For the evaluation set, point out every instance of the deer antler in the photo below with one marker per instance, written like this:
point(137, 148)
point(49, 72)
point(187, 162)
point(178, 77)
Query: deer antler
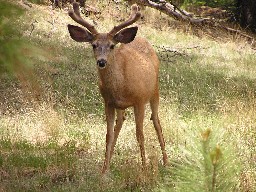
point(135, 15)
point(75, 15)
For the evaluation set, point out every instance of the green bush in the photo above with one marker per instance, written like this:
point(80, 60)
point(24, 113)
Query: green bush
point(207, 163)
point(11, 45)
point(16, 51)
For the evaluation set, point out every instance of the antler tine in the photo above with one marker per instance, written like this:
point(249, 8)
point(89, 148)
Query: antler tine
point(75, 15)
point(135, 15)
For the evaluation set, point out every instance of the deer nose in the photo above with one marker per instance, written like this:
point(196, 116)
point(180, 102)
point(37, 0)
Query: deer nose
point(102, 63)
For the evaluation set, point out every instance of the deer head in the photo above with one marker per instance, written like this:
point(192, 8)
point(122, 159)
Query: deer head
point(102, 43)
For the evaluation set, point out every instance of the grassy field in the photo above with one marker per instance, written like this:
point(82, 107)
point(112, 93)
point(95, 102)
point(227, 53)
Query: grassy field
point(52, 137)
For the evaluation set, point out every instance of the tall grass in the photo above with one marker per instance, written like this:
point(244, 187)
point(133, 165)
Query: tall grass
point(207, 111)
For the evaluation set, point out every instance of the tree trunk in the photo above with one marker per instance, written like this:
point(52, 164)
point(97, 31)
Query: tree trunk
point(247, 13)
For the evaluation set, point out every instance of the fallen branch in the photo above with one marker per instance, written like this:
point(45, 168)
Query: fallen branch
point(237, 32)
point(168, 54)
point(32, 26)
point(25, 4)
point(175, 12)
point(53, 26)
point(173, 51)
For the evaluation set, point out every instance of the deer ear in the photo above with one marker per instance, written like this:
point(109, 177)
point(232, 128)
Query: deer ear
point(79, 34)
point(127, 35)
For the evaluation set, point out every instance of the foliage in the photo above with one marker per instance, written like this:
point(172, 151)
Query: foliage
point(208, 163)
point(12, 48)
point(246, 14)
point(17, 52)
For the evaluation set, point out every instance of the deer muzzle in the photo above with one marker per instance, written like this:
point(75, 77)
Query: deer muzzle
point(102, 63)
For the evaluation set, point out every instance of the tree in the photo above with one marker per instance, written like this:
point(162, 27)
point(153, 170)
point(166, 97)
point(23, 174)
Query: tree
point(16, 52)
point(246, 13)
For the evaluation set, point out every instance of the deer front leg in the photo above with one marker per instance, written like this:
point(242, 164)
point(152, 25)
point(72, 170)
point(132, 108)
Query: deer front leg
point(119, 122)
point(139, 112)
point(110, 116)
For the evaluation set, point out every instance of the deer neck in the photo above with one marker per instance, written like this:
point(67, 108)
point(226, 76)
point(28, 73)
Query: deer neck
point(112, 75)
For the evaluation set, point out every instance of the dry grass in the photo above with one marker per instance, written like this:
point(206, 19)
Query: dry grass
point(58, 142)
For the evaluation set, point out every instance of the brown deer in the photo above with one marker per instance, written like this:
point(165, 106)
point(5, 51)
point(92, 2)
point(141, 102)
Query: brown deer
point(128, 76)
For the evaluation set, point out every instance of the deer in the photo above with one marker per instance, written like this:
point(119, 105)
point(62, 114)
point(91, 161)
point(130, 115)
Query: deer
point(128, 77)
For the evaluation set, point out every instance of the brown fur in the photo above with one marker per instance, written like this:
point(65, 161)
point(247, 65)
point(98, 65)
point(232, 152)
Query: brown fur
point(130, 78)
point(119, 83)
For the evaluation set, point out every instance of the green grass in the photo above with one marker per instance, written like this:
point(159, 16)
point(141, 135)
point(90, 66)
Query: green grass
point(57, 141)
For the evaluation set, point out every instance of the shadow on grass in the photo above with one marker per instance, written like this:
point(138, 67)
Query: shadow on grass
point(50, 166)
point(75, 86)
point(194, 86)
point(68, 82)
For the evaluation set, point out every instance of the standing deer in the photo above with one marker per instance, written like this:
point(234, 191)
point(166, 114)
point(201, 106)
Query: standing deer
point(128, 76)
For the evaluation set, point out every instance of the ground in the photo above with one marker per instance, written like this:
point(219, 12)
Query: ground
point(53, 136)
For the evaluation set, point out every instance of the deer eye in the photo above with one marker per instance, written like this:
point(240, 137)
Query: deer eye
point(112, 46)
point(94, 46)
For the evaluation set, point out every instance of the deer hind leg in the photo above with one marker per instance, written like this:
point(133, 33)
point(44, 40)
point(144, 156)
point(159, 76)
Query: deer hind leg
point(119, 122)
point(110, 116)
point(154, 103)
point(139, 112)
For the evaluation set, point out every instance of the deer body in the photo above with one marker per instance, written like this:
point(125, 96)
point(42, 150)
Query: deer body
point(125, 80)
point(128, 76)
